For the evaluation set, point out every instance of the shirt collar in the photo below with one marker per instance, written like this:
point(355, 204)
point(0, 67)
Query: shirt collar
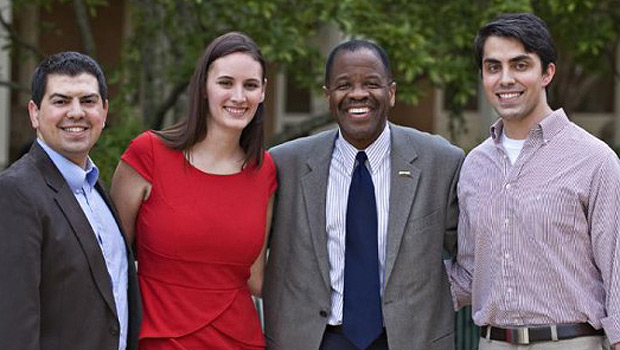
point(75, 176)
point(376, 151)
point(550, 126)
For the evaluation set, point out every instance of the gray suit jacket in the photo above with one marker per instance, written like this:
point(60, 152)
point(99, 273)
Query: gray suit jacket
point(55, 290)
point(417, 305)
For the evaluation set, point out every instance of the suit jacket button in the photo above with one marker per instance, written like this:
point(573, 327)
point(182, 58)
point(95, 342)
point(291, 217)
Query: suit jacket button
point(323, 313)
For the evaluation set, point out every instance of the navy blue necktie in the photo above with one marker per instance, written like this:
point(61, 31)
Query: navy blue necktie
point(362, 318)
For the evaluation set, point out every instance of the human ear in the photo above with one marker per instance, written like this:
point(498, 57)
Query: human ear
point(33, 112)
point(548, 74)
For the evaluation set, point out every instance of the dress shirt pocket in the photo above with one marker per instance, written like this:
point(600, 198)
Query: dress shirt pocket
point(551, 215)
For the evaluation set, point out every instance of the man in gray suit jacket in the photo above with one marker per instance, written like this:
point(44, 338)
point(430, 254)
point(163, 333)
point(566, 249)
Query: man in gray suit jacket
point(308, 294)
point(67, 276)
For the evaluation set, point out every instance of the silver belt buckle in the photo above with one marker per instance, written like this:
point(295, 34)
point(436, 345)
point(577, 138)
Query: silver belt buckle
point(523, 336)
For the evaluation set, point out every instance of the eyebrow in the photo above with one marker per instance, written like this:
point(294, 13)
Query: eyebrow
point(231, 78)
point(512, 60)
point(346, 78)
point(69, 97)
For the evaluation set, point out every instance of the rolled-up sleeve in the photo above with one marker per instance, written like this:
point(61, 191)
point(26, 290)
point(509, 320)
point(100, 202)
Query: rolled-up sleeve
point(460, 268)
point(604, 222)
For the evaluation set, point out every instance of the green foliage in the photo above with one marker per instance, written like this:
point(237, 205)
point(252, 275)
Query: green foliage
point(112, 143)
point(426, 40)
point(583, 29)
point(170, 36)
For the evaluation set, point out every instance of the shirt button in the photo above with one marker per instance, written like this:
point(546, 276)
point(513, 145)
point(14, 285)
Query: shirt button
point(507, 256)
point(509, 290)
point(506, 221)
point(508, 186)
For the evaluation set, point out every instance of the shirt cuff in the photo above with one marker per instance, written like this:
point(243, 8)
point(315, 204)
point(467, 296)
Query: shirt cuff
point(460, 297)
point(611, 325)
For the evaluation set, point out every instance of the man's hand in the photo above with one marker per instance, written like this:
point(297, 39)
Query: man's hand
point(616, 346)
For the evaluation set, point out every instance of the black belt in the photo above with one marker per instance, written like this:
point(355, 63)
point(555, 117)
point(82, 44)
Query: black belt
point(528, 335)
point(334, 329)
point(338, 329)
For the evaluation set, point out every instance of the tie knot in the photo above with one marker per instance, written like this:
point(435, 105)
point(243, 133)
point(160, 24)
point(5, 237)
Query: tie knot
point(361, 157)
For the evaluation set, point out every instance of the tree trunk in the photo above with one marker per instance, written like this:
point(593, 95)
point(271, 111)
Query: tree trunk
point(84, 28)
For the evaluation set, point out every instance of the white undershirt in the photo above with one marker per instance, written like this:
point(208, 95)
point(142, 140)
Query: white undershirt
point(513, 147)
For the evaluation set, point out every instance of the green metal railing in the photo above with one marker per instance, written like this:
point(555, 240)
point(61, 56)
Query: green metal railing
point(467, 333)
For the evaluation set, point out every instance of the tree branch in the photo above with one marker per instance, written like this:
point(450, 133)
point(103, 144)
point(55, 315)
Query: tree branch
point(15, 38)
point(86, 32)
point(14, 86)
point(301, 129)
point(172, 98)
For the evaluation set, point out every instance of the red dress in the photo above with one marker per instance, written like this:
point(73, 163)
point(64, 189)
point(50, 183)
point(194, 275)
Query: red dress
point(197, 236)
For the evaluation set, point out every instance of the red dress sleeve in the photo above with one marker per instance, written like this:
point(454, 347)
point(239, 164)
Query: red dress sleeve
point(139, 155)
point(270, 168)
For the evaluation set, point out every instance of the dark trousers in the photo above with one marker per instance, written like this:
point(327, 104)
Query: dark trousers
point(334, 339)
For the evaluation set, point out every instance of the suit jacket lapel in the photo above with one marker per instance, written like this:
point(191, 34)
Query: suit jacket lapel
point(78, 221)
point(403, 185)
point(314, 188)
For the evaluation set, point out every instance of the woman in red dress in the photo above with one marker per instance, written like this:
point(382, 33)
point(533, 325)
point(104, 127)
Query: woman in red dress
point(197, 199)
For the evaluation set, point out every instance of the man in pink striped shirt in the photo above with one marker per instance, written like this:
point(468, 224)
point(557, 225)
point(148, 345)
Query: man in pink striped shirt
point(539, 241)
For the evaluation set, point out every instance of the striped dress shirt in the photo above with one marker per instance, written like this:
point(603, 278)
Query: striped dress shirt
point(340, 172)
point(539, 241)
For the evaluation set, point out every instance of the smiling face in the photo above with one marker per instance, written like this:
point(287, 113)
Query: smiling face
point(71, 116)
point(514, 81)
point(360, 95)
point(235, 88)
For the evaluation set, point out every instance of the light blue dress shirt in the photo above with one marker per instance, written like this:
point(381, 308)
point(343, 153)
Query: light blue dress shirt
point(82, 184)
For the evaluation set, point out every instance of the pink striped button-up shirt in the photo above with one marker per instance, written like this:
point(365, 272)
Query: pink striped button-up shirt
point(539, 241)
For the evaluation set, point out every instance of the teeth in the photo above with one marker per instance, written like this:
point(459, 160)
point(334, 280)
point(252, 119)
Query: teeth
point(75, 129)
point(238, 111)
point(359, 110)
point(508, 95)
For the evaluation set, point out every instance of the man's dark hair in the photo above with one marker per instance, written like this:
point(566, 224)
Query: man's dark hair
point(66, 63)
point(527, 28)
point(355, 45)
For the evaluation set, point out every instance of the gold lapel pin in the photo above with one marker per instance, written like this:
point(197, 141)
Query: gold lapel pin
point(404, 173)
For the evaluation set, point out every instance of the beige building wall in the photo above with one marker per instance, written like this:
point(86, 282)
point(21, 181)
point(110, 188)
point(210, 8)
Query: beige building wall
point(5, 93)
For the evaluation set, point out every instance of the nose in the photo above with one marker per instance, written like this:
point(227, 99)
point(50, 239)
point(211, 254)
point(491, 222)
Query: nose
point(358, 91)
point(238, 94)
point(75, 110)
point(506, 77)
